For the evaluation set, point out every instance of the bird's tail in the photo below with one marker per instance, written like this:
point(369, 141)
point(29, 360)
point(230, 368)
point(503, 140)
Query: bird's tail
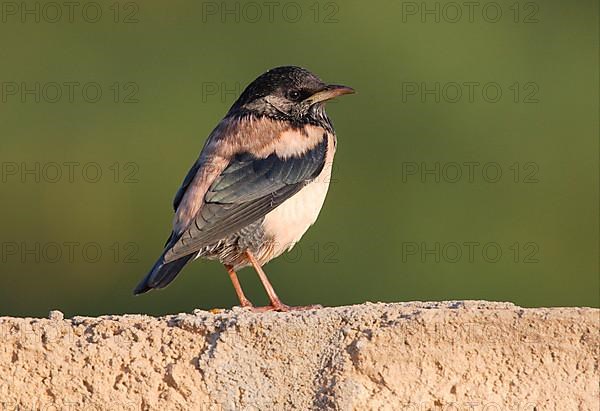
point(161, 274)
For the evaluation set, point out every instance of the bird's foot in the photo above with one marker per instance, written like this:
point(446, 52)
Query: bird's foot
point(246, 304)
point(281, 307)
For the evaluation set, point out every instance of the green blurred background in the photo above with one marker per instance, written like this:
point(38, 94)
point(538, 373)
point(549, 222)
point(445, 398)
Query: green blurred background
point(388, 232)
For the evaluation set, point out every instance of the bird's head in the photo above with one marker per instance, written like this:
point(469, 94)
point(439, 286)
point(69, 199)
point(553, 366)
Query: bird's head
point(290, 93)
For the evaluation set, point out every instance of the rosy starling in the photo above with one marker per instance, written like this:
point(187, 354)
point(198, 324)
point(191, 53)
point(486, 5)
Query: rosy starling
point(259, 182)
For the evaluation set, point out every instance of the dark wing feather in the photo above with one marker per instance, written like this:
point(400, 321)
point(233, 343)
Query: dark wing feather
point(186, 183)
point(247, 190)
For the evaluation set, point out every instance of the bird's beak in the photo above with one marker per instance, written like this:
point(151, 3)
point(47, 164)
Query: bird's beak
point(330, 91)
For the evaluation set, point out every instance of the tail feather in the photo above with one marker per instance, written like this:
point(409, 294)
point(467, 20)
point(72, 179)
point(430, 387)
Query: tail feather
point(161, 274)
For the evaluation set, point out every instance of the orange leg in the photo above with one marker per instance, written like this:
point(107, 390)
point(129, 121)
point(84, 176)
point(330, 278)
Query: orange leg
point(244, 302)
point(276, 304)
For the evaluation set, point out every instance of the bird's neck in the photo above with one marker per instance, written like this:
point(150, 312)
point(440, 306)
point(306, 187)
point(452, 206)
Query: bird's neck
point(316, 116)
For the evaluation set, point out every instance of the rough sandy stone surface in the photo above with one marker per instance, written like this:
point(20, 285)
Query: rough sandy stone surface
point(470, 355)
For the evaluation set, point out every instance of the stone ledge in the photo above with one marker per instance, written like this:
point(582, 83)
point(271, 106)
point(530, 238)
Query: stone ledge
point(471, 355)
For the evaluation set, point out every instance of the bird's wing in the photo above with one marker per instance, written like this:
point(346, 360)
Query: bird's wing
point(189, 178)
point(240, 192)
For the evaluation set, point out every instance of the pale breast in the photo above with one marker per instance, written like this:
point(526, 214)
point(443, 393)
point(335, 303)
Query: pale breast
point(288, 222)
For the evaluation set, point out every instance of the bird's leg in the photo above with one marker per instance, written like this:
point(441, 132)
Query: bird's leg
point(244, 302)
point(276, 304)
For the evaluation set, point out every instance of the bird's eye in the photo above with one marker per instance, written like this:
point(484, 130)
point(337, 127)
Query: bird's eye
point(294, 94)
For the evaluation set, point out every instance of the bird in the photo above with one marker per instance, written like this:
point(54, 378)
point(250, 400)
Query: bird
point(258, 184)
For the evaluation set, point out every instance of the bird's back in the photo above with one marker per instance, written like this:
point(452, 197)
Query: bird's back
point(278, 231)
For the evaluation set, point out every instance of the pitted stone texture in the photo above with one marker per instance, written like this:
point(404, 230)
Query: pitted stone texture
point(471, 355)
